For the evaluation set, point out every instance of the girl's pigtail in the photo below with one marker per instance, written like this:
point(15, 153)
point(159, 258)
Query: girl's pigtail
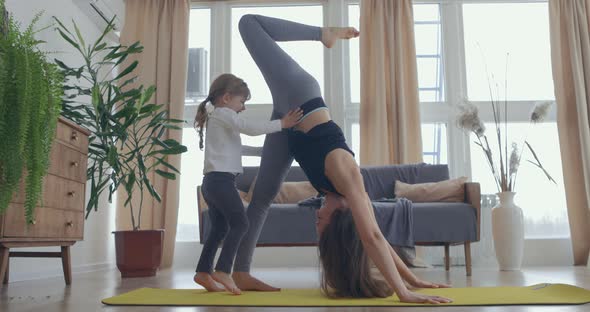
point(200, 120)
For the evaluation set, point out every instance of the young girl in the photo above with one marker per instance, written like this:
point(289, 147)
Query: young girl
point(223, 162)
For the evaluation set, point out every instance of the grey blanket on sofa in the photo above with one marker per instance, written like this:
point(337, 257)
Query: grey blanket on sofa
point(396, 223)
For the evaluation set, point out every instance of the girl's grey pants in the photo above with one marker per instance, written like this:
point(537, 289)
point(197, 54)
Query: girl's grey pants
point(228, 221)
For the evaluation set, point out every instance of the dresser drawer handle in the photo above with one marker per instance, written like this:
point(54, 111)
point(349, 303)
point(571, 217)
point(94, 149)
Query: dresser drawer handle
point(74, 164)
point(74, 136)
point(70, 224)
point(71, 194)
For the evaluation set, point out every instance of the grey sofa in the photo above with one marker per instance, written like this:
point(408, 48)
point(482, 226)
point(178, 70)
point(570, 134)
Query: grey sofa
point(435, 224)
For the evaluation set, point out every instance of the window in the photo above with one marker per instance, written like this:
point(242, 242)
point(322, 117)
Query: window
point(427, 28)
point(434, 142)
point(493, 30)
point(191, 175)
point(307, 54)
point(473, 31)
point(428, 52)
point(543, 203)
point(356, 141)
point(199, 44)
point(254, 141)
point(427, 33)
point(490, 31)
point(197, 88)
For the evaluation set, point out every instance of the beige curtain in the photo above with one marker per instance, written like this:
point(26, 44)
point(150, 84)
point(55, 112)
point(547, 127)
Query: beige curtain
point(162, 28)
point(570, 53)
point(390, 131)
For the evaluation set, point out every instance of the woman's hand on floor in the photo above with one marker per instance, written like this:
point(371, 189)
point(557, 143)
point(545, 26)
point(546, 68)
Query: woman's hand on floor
point(413, 297)
point(418, 283)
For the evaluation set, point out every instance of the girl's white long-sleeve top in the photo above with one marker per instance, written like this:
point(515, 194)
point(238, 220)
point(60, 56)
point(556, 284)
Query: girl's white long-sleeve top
point(223, 145)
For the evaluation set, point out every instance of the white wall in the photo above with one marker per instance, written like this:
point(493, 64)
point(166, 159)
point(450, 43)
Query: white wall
point(97, 249)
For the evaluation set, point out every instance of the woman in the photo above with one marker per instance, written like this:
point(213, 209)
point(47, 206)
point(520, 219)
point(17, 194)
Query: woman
point(319, 147)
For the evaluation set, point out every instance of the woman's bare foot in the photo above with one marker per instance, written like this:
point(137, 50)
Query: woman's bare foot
point(331, 34)
point(246, 281)
point(227, 282)
point(205, 280)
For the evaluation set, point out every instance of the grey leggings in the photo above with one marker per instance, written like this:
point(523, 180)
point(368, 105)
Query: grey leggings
point(228, 221)
point(290, 86)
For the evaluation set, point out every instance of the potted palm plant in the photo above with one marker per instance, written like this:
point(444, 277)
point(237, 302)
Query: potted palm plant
point(126, 142)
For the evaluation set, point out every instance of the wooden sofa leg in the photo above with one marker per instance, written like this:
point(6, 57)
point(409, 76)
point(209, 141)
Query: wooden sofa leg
point(4, 258)
point(447, 258)
point(468, 258)
point(7, 273)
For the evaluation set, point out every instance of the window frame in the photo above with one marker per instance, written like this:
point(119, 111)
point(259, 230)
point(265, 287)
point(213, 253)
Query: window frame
point(221, 44)
point(337, 72)
point(455, 87)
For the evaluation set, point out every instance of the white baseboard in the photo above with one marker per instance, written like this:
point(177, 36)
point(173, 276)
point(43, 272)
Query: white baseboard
point(28, 276)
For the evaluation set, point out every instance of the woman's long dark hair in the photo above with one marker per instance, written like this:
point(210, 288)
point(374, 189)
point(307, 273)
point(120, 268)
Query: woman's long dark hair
point(225, 83)
point(346, 269)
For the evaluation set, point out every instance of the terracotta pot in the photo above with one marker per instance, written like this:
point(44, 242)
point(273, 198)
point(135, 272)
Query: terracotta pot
point(139, 253)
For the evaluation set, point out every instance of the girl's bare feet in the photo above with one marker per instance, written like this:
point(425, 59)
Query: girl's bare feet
point(227, 282)
point(331, 34)
point(205, 280)
point(248, 282)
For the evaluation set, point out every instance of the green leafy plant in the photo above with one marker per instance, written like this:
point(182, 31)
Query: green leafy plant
point(127, 132)
point(31, 91)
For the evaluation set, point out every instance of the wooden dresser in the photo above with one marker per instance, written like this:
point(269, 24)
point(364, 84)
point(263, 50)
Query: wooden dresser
point(59, 218)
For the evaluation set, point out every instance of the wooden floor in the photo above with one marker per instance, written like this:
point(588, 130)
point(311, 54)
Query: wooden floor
point(88, 289)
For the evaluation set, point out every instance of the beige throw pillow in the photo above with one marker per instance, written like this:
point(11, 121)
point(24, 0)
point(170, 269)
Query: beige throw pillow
point(243, 196)
point(294, 192)
point(290, 192)
point(444, 191)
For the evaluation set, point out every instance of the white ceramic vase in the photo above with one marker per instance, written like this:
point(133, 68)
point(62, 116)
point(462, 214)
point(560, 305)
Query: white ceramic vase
point(508, 232)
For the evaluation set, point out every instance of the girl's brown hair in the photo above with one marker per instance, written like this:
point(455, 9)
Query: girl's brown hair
point(345, 267)
point(225, 83)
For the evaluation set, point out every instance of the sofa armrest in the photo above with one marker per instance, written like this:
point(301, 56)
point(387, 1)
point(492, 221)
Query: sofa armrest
point(201, 208)
point(473, 197)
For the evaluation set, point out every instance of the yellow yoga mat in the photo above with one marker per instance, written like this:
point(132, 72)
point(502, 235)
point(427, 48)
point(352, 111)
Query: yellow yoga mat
point(544, 294)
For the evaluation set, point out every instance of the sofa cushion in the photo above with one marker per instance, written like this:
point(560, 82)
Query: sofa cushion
point(444, 222)
point(380, 180)
point(452, 190)
point(289, 193)
point(245, 180)
point(284, 224)
point(293, 192)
